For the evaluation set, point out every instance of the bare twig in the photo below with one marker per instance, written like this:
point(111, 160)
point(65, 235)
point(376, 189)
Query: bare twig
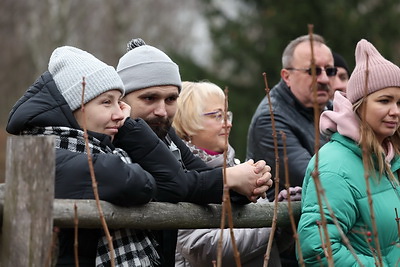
point(228, 199)
point(290, 210)
point(222, 227)
point(276, 180)
point(320, 231)
point(93, 177)
point(76, 222)
point(315, 173)
point(366, 171)
point(398, 222)
point(343, 236)
point(227, 207)
point(52, 255)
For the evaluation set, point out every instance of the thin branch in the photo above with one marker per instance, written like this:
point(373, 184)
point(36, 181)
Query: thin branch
point(320, 231)
point(93, 177)
point(52, 255)
point(315, 173)
point(76, 222)
point(227, 207)
point(398, 222)
point(366, 171)
point(228, 199)
point(342, 235)
point(276, 180)
point(222, 227)
point(290, 210)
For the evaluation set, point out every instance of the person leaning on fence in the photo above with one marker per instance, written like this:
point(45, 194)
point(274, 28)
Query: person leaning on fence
point(364, 127)
point(199, 121)
point(152, 82)
point(51, 106)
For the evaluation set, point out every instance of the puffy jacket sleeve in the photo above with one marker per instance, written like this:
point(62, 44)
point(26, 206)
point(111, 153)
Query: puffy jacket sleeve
point(260, 139)
point(200, 246)
point(118, 183)
point(145, 148)
point(341, 199)
point(205, 183)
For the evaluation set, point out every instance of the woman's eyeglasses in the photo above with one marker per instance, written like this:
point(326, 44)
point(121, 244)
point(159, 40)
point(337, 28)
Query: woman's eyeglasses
point(219, 115)
point(330, 71)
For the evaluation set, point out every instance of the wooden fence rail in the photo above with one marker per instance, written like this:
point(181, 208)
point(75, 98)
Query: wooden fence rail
point(158, 215)
point(28, 210)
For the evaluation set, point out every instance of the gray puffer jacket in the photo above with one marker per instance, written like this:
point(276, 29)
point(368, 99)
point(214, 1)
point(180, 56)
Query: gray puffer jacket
point(199, 247)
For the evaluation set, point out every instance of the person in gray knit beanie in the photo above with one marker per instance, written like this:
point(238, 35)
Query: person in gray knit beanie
point(69, 65)
point(152, 83)
point(145, 66)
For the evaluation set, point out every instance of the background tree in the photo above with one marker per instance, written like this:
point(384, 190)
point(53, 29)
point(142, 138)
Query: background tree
point(228, 42)
point(251, 41)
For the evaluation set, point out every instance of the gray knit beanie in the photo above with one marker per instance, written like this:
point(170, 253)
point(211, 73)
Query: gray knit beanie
point(68, 65)
point(145, 66)
point(381, 72)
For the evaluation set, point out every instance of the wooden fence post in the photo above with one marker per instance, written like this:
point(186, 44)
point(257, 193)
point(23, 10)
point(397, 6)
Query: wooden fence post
point(28, 201)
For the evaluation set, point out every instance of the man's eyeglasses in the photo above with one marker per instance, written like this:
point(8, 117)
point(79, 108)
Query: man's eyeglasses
point(219, 115)
point(330, 71)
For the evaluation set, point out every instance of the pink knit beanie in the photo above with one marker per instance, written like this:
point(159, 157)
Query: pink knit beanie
point(382, 73)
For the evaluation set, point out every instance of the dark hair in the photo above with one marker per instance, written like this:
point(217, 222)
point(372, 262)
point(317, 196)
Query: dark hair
point(340, 62)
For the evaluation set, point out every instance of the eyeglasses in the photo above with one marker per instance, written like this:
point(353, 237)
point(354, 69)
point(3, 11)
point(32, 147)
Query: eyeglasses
point(330, 71)
point(219, 115)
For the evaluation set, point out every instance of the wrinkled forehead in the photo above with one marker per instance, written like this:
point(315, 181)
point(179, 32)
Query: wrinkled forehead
point(322, 54)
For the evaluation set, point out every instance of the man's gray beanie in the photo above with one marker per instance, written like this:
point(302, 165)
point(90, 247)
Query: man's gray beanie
point(68, 65)
point(145, 66)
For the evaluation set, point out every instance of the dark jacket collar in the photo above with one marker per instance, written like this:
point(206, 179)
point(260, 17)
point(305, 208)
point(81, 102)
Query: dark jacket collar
point(291, 99)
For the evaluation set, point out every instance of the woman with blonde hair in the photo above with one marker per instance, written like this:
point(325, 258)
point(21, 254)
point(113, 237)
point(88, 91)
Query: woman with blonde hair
point(365, 142)
point(200, 122)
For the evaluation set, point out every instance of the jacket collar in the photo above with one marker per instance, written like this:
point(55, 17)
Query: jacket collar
point(355, 148)
point(293, 101)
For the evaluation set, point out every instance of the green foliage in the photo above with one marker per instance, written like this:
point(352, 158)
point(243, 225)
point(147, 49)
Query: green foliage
point(252, 42)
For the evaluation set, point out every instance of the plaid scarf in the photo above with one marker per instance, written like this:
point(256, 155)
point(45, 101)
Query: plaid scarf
point(132, 248)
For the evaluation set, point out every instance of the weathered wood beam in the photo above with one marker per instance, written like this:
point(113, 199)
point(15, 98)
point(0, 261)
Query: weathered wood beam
point(28, 201)
point(158, 215)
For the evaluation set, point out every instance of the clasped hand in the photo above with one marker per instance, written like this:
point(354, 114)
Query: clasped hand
point(250, 179)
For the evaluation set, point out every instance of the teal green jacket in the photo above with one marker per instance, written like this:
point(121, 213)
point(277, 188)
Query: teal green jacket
point(341, 173)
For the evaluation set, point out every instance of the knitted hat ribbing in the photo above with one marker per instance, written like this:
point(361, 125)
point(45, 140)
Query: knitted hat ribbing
point(340, 62)
point(145, 66)
point(381, 72)
point(68, 65)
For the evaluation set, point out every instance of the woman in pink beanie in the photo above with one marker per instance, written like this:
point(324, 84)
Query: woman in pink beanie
point(373, 88)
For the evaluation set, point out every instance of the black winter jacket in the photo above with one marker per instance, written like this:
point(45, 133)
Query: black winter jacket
point(296, 121)
point(157, 174)
point(205, 186)
point(118, 183)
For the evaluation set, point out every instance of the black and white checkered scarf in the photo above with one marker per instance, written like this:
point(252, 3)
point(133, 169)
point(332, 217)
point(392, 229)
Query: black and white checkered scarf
point(132, 248)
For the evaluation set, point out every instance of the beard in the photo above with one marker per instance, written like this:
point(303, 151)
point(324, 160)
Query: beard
point(160, 126)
